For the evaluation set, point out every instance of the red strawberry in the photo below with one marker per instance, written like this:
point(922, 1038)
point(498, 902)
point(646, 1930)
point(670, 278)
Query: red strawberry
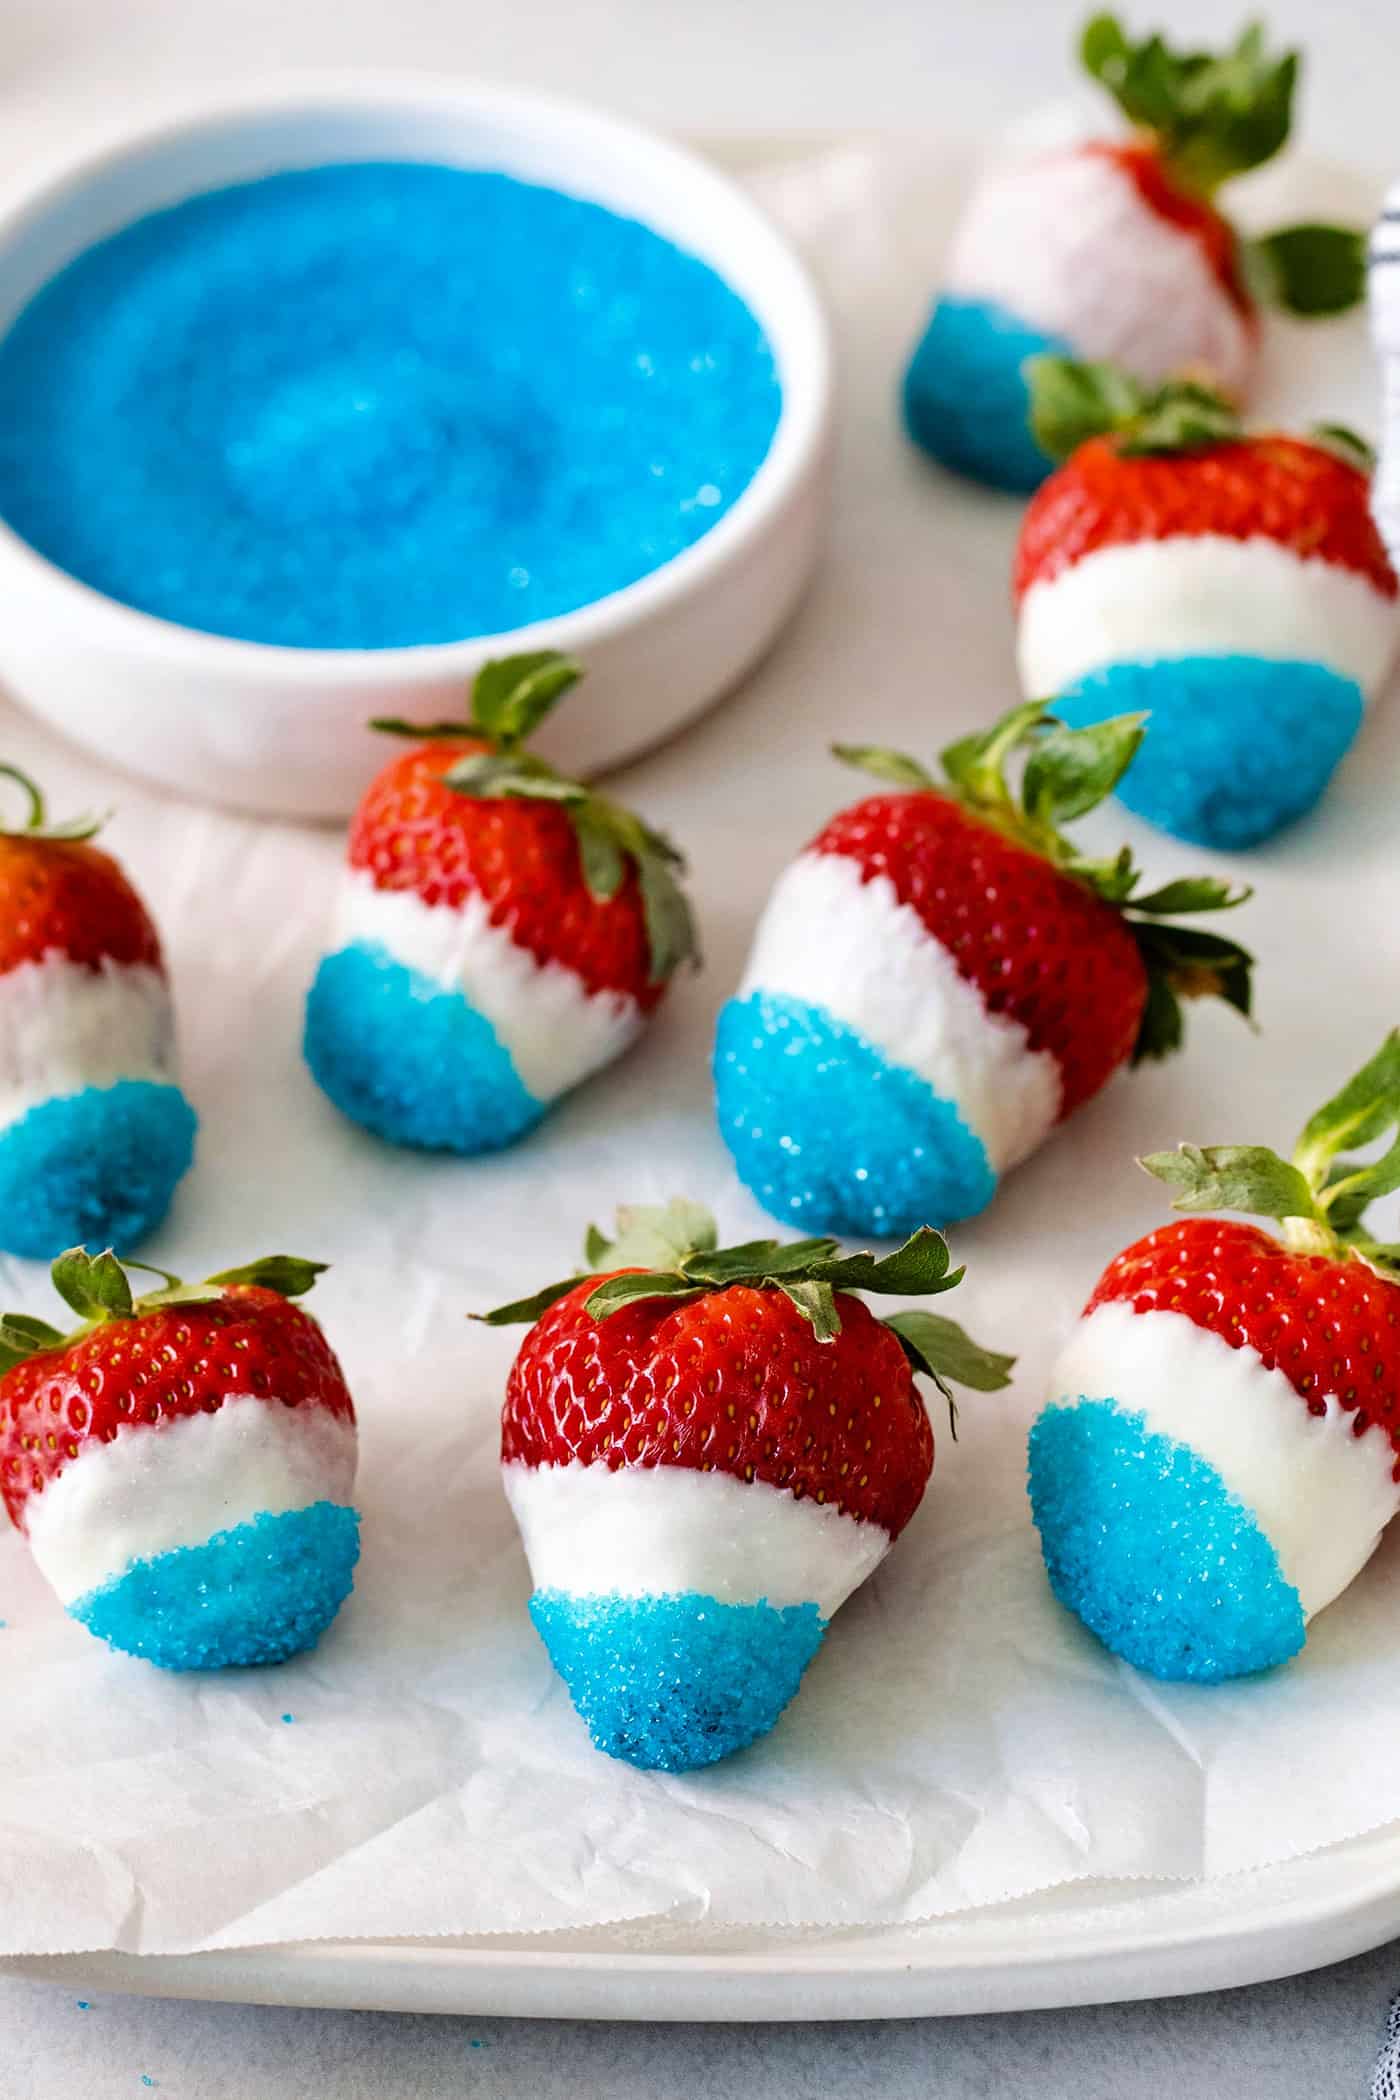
point(1172, 478)
point(1233, 587)
point(707, 1450)
point(1221, 1454)
point(181, 1463)
point(1117, 250)
point(940, 978)
point(94, 1132)
point(505, 932)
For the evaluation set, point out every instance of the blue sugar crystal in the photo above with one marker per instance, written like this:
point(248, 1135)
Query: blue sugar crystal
point(965, 396)
point(670, 1683)
point(1145, 1543)
point(98, 1167)
point(1237, 747)
point(370, 405)
point(411, 1062)
point(257, 1593)
point(829, 1135)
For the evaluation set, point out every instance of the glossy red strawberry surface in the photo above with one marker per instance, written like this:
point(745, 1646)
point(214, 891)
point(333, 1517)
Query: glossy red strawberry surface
point(1331, 1327)
point(67, 896)
point(177, 1360)
point(519, 856)
point(735, 1382)
point(1141, 163)
point(1296, 494)
point(1040, 947)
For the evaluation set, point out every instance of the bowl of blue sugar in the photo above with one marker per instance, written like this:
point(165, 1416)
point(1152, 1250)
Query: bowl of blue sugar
point(311, 405)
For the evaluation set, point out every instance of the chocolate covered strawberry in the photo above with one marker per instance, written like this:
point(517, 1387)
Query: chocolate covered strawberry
point(942, 977)
point(503, 932)
point(1220, 1457)
point(1233, 584)
point(94, 1131)
point(181, 1464)
point(1116, 248)
point(707, 1450)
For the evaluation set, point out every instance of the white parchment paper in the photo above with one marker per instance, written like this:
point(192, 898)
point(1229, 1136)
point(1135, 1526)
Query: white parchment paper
point(959, 1741)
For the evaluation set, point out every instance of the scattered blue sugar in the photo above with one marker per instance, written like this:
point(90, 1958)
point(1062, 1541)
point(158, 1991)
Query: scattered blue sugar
point(829, 1135)
point(361, 406)
point(965, 395)
point(411, 1062)
point(671, 1683)
point(84, 2005)
point(257, 1593)
point(146, 2080)
point(98, 1167)
point(1145, 1543)
point(1237, 747)
point(289, 1718)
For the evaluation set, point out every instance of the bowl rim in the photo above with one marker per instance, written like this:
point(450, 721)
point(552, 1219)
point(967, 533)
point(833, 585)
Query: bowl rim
point(796, 326)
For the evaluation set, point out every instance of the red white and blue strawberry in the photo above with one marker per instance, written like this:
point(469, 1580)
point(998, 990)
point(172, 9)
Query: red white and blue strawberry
point(1116, 249)
point(1220, 1456)
point(941, 978)
point(503, 932)
point(95, 1134)
point(1232, 584)
point(181, 1464)
point(707, 1450)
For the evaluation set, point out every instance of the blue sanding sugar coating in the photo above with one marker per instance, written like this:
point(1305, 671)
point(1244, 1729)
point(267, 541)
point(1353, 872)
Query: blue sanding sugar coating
point(257, 1593)
point(98, 1167)
point(673, 1682)
point(411, 1062)
point(965, 396)
point(368, 405)
point(1144, 1541)
point(829, 1135)
point(1237, 747)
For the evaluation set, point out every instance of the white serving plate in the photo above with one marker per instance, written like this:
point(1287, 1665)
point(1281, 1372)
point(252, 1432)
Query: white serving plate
point(1086, 1947)
point(1079, 1944)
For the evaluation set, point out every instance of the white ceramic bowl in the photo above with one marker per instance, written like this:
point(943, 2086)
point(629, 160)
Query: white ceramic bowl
point(284, 730)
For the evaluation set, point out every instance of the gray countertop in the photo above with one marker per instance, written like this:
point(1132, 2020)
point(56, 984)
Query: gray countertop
point(1313, 2038)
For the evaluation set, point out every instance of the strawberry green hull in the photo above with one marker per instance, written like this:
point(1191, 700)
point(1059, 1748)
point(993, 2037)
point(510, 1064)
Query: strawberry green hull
point(1147, 1546)
point(258, 1593)
point(98, 1167)
point(672, 1683)
point(829, 1135)
point(965, 396)
point(1237, 747)
point(411, 1062)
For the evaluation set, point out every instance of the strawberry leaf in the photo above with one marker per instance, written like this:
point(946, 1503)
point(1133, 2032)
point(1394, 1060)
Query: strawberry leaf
point(1184, 963)
point(36, 824)
point(1073, 400)
point(1309, 269)
point(1367, 1107)
point(618, 1291)
point(1213, 115)
point(290, 1275)
point(945, 1352)
point(95, 1285)
point(1191, 893)
point(894, 766)
point(1071, 771)
point(817, 1304)
point(525, 1311)
point(423, 732)
point(1347, 444)
point(600, 856)
point(513, 694)
point(1247, 1178)
point(21, 1337)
